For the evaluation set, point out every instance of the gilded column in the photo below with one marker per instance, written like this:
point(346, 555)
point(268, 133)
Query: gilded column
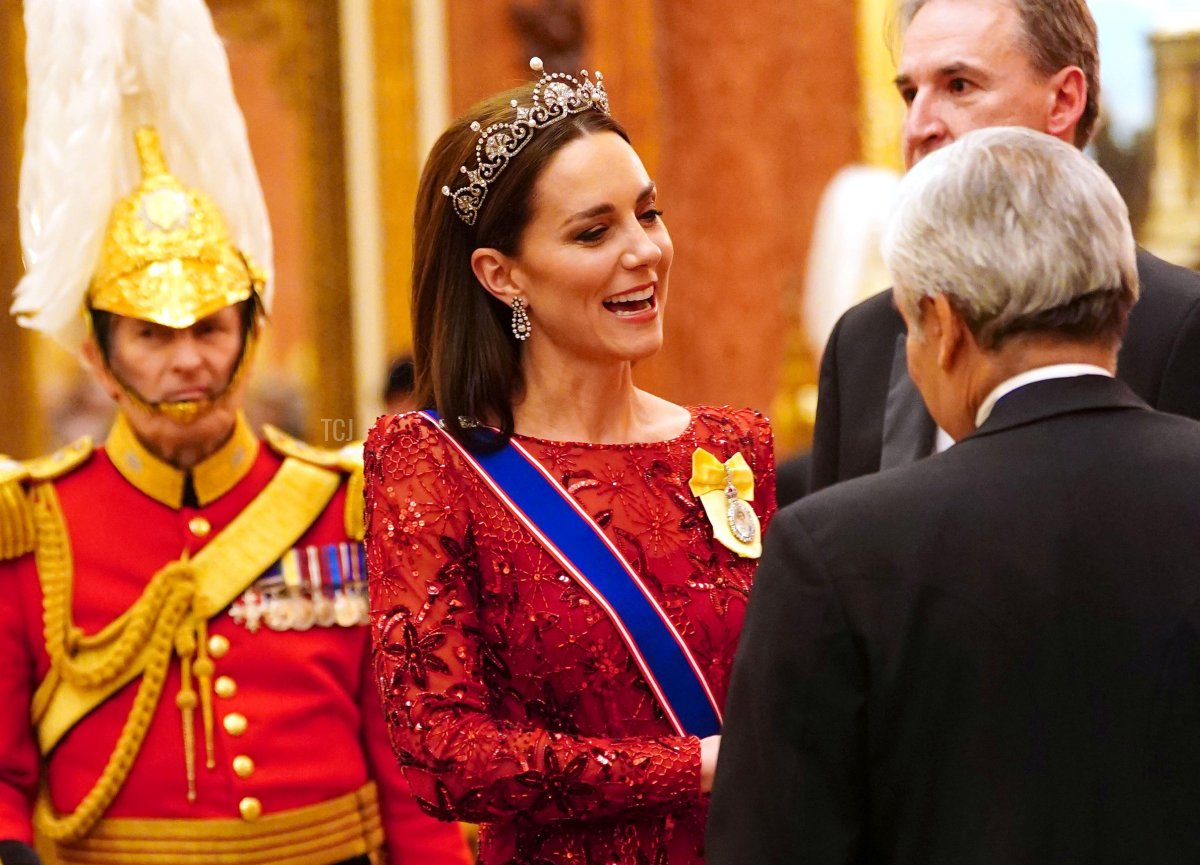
point(364, 211)
point(1173, 225)
point(21, 429)
point(410, 104)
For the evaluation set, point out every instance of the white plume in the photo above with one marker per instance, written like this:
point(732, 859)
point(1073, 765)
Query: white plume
point(97, 70)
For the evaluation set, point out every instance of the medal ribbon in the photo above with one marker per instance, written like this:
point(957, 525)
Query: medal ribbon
point(724, 488)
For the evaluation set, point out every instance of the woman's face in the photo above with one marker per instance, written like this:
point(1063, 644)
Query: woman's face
point(594, 258)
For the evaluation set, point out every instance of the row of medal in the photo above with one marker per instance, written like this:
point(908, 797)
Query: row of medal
point(312, 586)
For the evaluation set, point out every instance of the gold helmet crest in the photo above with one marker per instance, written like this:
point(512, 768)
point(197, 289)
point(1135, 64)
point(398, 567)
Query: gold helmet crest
point(167, 256)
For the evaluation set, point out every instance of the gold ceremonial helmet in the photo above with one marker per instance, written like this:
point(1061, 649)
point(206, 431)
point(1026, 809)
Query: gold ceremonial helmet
point(168, 258)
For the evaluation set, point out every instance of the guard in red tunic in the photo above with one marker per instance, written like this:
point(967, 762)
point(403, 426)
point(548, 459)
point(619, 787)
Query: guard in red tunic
point(183, 628)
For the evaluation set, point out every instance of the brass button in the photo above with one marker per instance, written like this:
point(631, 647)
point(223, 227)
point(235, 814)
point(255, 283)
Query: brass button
point(234, 723)
point(243, 766)
point(225, 687)
point(218, 645)
point(199, 526)
point(250, 809)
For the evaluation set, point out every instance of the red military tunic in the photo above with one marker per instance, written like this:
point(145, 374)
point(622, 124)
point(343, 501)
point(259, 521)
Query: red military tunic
point(296, 715)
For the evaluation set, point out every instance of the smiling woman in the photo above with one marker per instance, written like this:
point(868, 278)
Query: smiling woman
point(592, 271)
point(559, 561)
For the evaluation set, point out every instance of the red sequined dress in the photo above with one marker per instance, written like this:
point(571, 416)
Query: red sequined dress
point(511, 699)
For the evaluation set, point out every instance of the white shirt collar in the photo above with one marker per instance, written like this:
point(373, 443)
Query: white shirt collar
point(1041, 373)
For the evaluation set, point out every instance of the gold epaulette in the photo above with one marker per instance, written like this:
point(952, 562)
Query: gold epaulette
point(16, 514)
point(348, 459)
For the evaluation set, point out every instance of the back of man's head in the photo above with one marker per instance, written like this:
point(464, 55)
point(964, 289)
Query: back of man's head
point(1021, 232)
point(1055, 34)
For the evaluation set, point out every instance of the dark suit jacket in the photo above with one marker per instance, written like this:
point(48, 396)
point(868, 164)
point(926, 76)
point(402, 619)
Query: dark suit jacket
point(989, 657)
point(870, 415)
point(791, 478)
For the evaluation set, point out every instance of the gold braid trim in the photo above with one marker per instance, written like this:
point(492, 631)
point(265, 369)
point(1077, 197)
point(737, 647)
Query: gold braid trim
point(17, 535)
point(70, 828)
point(331, 831)
point(169, 618)
point(150, 625)
point(16, 520)
point(104, 656)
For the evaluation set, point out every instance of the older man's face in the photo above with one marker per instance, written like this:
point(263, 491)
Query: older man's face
point(962, 67)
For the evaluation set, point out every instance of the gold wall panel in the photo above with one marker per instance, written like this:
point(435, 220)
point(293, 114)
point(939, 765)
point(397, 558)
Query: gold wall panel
point(21, 432)
point(881, 111)
point(399, 160)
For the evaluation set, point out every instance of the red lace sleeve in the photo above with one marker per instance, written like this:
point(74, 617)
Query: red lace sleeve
point(466, 752)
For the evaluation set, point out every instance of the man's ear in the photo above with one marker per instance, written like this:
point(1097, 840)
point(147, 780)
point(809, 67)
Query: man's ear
point(94, 361)
point(495, 272)
point(947, 327)
point(1068, 95)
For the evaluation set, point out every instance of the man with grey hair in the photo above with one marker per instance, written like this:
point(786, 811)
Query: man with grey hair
point(991, 656)
point(964, 65)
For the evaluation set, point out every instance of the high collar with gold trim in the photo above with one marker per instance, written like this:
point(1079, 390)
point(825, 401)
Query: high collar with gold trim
point(164, 483)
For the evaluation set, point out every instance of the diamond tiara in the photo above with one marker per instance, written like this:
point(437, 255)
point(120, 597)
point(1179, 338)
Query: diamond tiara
point(556, 96)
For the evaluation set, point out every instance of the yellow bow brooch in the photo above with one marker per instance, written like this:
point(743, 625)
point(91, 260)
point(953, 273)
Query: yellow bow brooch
point(724, 489)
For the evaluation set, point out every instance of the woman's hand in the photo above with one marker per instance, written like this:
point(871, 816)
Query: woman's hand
point(709, 746)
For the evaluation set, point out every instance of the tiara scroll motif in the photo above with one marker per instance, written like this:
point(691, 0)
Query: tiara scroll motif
point(556, 96)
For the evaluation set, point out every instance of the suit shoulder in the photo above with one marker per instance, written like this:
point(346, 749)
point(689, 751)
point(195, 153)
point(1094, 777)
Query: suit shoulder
point(867, 331)
point(877, 310)
point(1163, 275)
point(16, 514)
point(1166, 287)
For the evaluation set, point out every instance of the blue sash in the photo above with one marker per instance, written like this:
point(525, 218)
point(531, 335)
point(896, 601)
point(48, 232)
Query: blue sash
point(569, 535)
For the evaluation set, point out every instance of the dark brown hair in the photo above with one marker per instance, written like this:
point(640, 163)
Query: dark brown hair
point(1055, 34)
point(466, 362)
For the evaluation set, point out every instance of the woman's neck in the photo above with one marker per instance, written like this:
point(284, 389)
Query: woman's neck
point(583, 403)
